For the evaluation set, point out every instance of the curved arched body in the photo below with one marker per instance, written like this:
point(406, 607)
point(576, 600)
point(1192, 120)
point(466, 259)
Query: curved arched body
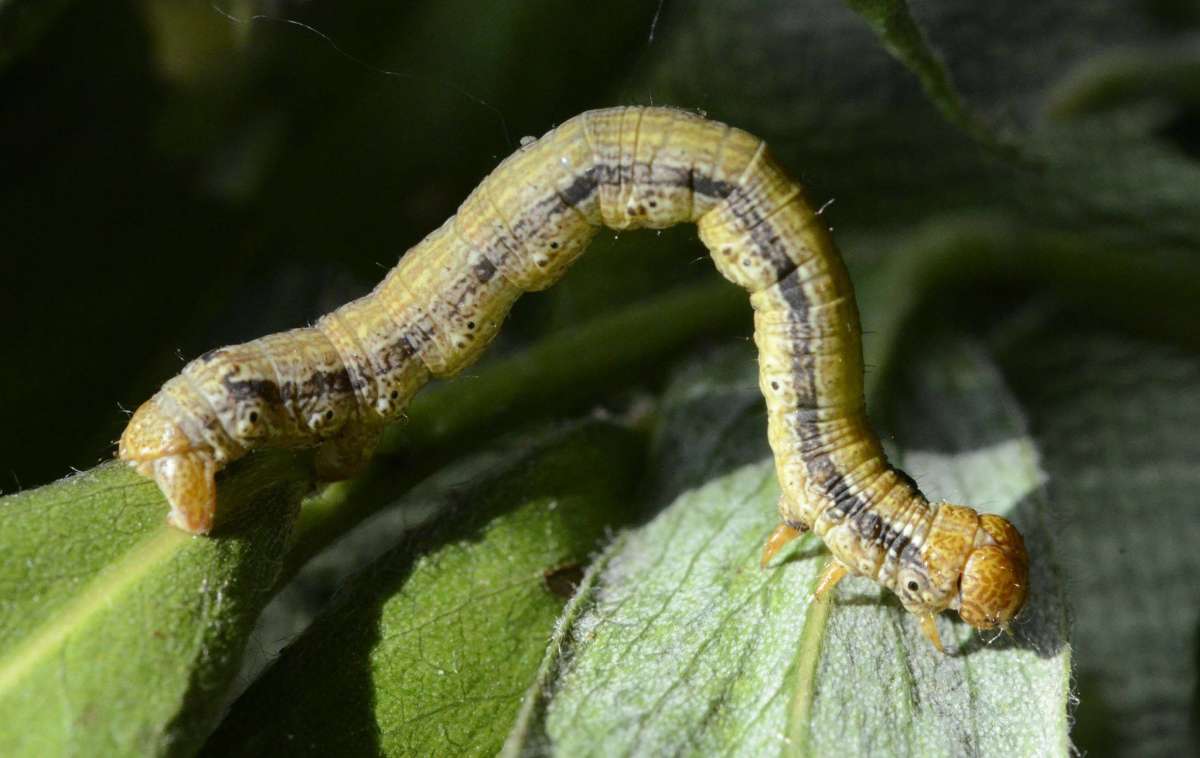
point(340, 381)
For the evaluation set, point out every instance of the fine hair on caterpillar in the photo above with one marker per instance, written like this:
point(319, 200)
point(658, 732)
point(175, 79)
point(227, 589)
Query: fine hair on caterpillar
point(337, 383)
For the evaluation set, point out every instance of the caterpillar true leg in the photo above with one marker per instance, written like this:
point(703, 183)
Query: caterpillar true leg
point(783, 534)
point(928, 622)
point(833, 573)
point(337, 383)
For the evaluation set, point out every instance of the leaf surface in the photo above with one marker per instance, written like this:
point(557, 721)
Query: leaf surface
point(119, 634)
point(433, 647)
point(688, 644)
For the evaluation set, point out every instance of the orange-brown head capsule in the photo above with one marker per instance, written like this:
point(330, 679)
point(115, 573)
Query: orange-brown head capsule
point(995, 580)
point(976, 564)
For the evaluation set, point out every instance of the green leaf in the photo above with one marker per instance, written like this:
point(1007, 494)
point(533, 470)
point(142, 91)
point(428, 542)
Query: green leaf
point(688, 643)
point(1123, 77)
point(1116, 416)
point(901, 36)
point(119, 634)
point(434, 646)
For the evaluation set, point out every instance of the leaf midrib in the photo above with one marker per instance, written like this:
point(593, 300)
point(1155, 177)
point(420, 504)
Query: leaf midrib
point(143, 558)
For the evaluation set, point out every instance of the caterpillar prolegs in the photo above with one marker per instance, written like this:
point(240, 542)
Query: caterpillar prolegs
point(340, 381)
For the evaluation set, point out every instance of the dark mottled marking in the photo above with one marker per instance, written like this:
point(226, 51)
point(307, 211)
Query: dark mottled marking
point(317, 384)
point(262, 390)
point(821, 468)
point(336, 382)
point(869, 527)
point(399, 351)
point(484, 270)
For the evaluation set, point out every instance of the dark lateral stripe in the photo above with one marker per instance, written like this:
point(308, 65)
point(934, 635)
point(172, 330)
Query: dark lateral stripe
point(871, 527)
point(818, 439)
point(317, 384)
point(846, 502)
point(263, 390)
point(902, 548)
point(791, 289)
point(706, 185)
point(768, 242)
point(874, 529)
point(581, 188)
point(651, 176)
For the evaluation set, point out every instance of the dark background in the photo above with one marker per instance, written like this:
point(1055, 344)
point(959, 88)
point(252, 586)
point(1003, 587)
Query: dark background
point(176, 176)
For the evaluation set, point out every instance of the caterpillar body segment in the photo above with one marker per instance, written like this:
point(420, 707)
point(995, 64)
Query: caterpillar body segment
point(338, 383)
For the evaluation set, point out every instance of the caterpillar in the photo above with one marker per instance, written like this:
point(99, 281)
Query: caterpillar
point(337, 383)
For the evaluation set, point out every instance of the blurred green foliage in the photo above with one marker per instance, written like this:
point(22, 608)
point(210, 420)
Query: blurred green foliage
point(1016, 190)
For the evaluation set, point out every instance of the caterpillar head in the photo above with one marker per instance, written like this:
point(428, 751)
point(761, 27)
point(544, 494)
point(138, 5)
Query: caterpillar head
point(995, 580)
point(977, 565)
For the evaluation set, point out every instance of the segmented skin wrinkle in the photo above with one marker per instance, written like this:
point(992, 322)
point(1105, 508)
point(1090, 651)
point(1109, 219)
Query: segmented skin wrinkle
point(341, 381)
point(213, 420)
point(357, 378)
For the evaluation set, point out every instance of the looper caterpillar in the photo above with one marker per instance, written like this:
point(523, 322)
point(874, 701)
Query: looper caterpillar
point(337, 383)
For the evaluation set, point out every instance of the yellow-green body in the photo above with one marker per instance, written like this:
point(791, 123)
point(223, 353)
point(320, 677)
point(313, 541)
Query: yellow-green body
point(340, 381)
